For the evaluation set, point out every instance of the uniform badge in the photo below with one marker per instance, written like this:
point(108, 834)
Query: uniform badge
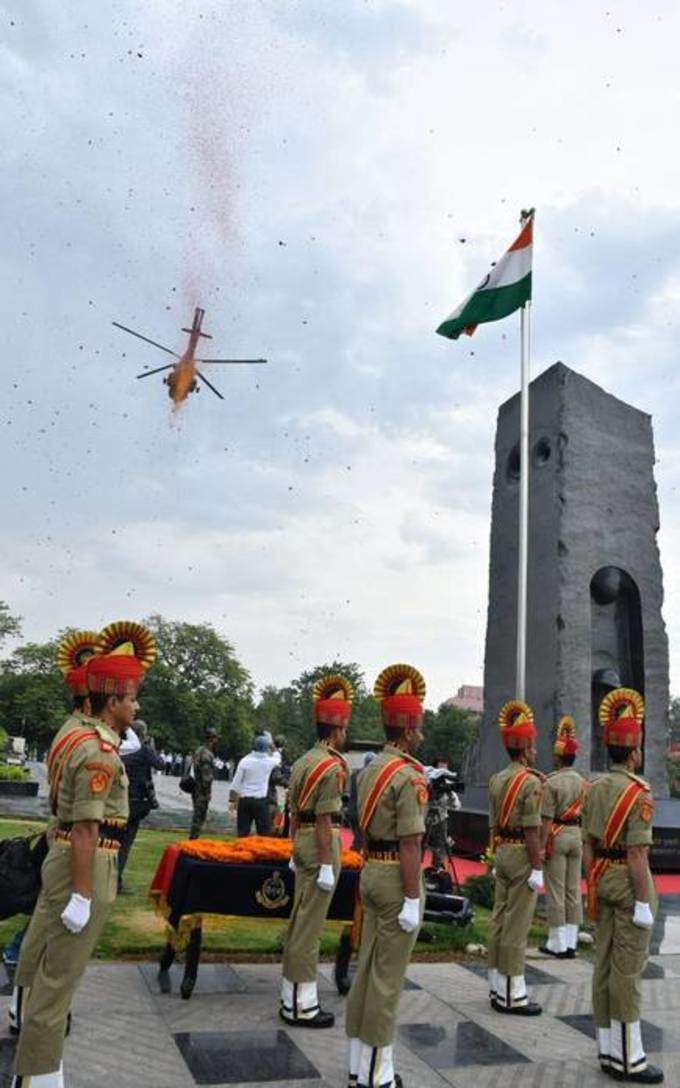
point(646, 809)
point(106, 747)
point(272, 895)
point(99, 780)
point(422, 792)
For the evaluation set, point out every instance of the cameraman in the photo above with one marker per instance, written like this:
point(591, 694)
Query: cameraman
point(443, 800)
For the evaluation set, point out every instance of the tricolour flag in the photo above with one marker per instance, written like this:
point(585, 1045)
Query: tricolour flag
point(503, 290)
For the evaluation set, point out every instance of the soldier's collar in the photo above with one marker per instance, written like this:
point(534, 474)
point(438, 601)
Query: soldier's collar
point(393, 750)
point(109, 736)
point(329, 748)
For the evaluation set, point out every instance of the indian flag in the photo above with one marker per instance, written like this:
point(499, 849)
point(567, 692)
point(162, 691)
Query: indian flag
point(503, 290)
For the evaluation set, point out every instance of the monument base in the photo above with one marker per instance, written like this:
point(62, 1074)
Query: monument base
point(471, 829)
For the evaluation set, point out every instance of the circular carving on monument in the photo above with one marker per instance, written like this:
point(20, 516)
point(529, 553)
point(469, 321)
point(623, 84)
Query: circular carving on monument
point(513, 465)
point(606, 585)
point(542, 452)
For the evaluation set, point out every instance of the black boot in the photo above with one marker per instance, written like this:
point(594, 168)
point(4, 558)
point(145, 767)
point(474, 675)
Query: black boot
point(650, 1075)
point(556, 955)
point(321, 1019)
point(532, 1008)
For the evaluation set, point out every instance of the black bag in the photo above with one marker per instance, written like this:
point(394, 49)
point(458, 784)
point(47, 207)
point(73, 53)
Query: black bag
point(187, 783)
point(20, 864)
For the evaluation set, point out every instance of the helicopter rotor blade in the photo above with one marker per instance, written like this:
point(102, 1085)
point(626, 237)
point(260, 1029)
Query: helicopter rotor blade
point(146, 338)
point(209, 384)
point(148, 373)
point(234, 362)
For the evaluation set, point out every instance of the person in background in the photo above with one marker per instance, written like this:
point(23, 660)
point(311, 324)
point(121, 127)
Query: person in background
point(203, 768)
point(139, 760)
point(278, 783)
point(250, 786)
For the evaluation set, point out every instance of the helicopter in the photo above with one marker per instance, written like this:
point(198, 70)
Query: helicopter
point(182, 379)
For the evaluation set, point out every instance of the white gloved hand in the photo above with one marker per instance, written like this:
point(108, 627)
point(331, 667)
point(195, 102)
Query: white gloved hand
point(642, 915)
point(76, 914)
point(326, 878)
point(409, 916)
point(535, 879)
point(291, 864)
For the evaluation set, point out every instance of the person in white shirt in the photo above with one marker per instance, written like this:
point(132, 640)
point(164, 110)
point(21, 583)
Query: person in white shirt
point(250, 785)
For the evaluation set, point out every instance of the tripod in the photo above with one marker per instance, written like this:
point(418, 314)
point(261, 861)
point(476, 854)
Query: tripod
point(443, 877)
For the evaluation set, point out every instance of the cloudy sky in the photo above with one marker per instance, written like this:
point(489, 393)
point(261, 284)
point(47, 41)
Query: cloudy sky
point(328, 180)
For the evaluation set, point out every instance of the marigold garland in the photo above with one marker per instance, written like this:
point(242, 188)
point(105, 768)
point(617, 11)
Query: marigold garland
point(254, 849)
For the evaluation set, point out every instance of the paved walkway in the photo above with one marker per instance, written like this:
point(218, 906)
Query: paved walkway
point(125, 1033)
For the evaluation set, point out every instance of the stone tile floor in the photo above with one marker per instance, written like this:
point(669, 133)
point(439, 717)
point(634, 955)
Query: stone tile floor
point(127, 1034)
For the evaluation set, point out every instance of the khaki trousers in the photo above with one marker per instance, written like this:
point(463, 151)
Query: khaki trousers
point(513, 910)
point(562, 876)
point(62, 960)
point(383, 957)
point(621, 949)
point(310, 908)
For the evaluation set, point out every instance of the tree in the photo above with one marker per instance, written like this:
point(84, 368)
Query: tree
point(10, 626)
point(33, 697)
point(449, 733)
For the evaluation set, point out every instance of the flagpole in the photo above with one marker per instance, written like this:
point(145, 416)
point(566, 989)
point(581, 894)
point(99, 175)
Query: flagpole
point(525, 331)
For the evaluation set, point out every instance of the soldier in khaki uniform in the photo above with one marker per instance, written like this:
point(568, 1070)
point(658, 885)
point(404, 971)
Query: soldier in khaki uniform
point(73, 653)
point(514, 822)
point(317, 783)
point(204, 772)
point(88, 794)
point(392, 799)
point(617, 833)
point(563, 794)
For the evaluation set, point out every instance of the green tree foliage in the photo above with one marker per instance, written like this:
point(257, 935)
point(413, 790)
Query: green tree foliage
point(10, 626)
point(449, 733)
point(33, 698)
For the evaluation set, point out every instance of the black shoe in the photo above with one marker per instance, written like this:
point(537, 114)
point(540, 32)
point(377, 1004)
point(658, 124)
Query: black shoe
point(532, 1008)
point(571, 953)
point(651, 1075)
point(556, 955)
point(321, 1020)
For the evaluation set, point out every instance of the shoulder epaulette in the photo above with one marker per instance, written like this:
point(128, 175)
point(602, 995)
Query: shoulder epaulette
point(640, 781)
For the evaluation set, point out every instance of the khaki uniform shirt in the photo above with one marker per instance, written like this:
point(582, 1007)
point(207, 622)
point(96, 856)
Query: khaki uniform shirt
point(401, 809)
point(560, 790)
point(600, 800)
point(526, 811)
point(326, 796)
point(93, 783)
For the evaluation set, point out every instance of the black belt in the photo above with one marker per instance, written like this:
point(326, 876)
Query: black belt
point(616, 853)
point(110, 835)
point(506, 834)
point(306, 819)
point(576, 822)
point(383, 846)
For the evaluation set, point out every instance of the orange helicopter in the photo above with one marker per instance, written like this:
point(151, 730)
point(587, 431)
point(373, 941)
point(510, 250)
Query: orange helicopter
point(183, 374)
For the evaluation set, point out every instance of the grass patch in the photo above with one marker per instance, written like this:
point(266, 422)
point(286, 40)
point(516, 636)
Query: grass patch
point(135, 931)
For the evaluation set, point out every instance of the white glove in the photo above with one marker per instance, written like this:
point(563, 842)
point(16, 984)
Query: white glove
point(409, 916)
point(291, 864)
point(76, 914)
point(326, 878)
point(535, 879)
point(642, 915)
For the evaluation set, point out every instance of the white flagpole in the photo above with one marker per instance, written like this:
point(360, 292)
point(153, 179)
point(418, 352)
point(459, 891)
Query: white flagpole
point(525, 330)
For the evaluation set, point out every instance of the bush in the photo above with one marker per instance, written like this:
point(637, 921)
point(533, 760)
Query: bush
point(9, 773)
point(479, 889)
point(3, 740)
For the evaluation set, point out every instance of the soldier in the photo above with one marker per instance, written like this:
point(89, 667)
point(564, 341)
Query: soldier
point(514, 822)
point(617, 834)
point(317, 783)
point(88, 795)
point(392, 798)
point(204, 771)
point(563, 794)
point(73, 653)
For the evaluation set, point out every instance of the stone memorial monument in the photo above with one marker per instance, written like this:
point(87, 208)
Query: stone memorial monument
point(594, 582)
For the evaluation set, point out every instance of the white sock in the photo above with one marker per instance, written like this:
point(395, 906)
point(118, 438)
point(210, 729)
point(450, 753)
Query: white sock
point(41, 1080)
point(627, 1054)
point(493, 981)
point(511, 990)
point(572, 936)
point(17, 1004)
point(557, 939)
point(354, 1047)
point(376, 1067)
point(299, 1000)
point(604, 1046)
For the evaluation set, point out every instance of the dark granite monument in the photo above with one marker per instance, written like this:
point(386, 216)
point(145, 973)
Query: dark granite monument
point(594, 584)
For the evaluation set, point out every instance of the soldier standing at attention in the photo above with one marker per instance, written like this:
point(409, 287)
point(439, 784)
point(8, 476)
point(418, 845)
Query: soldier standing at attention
point(73, 653)
point(204, 772)
point(515, 823)
point(392, 798)
point(617, 834)
point(88, 795)
point(563, 794)
point(317, 782)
